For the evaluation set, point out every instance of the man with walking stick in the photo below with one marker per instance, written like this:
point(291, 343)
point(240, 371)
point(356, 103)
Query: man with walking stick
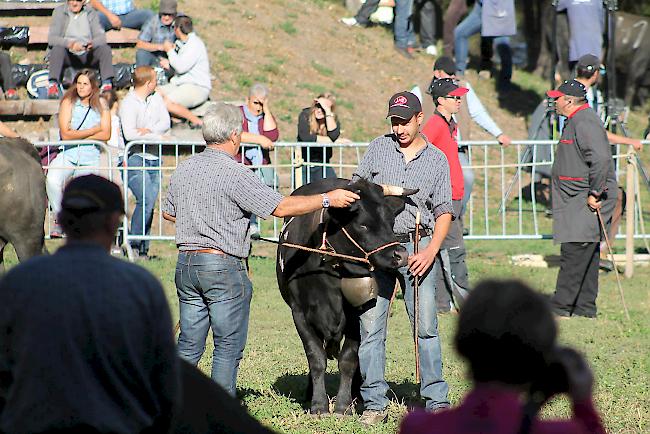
point(405, 158)
point(583, 183)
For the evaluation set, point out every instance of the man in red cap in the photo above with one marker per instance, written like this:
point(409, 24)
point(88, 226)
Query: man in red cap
point(583, 183)
point(406, 159)
point(441, 130)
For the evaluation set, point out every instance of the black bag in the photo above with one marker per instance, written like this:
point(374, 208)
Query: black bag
point(21, 73)
point(17, 35)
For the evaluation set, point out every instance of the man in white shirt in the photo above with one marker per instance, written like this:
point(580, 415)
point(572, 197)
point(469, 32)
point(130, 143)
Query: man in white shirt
point(144, 117)
point(190, 86)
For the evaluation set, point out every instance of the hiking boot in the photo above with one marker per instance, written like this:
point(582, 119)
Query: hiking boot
point(11, 94)
point(373, 417)
point(53, 91)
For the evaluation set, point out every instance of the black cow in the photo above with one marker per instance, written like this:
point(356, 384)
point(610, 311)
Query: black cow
point(22, 199)
point(311, 283)
point(632, 51)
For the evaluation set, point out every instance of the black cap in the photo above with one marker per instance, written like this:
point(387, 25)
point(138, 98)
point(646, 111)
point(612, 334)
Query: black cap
point(92, 193)
point(403, 105)
point(588, 62)
point(569, 87)
point(446, 87)
point(446, 64)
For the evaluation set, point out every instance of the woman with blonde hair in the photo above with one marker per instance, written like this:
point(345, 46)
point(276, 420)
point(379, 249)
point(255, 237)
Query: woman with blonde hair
point(319, 124)
point(82, 116)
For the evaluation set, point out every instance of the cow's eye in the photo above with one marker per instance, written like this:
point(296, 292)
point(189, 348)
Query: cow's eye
point(364, 227)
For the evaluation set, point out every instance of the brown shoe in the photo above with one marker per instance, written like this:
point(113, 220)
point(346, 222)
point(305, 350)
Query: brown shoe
point(373, 417)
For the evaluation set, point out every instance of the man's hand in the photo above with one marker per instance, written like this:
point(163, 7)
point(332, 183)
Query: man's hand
point(419, 264)
point(636, 144)
point(593, 203)
point(341, 198)
point(167, 45)
point(76, 46)
point(164, 63)
point(266, 143)
point(504, 140)
point(143, 131)
point(89, 45)
point(115, 21)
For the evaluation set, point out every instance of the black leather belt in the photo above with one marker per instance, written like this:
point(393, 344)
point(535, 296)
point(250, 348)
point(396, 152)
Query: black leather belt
point(410, 236)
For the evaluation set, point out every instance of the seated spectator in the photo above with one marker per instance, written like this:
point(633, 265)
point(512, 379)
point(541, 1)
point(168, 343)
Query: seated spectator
point(82, 116)
point(515, 326)
point(100, 351)
point(144, 117)
point(259, 128)
point(7, 81)
point(76, 38)
point(154, 32)
point(5, 131)
point(116, 142)
point(190, 86)
point(115, 14)
point(318, 123)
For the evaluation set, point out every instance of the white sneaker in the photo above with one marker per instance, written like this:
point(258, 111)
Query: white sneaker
point(432, 50)
point(349, 21)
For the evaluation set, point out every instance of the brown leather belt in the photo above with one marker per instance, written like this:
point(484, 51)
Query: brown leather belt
point(211, 251)
point(410, 236)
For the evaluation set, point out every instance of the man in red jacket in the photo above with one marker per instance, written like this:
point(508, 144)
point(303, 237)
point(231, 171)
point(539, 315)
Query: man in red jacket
point(441, 131)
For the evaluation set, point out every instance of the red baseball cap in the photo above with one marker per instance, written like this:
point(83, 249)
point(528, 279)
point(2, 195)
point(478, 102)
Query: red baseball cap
point(446, 87)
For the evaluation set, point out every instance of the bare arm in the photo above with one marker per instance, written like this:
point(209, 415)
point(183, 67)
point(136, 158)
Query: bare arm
point(168, 217)
point(5, 131)
point(623, 140)
point(148, 46)
point(104, 132)
point(419, 264)
point(67, 132)
point(298, 205)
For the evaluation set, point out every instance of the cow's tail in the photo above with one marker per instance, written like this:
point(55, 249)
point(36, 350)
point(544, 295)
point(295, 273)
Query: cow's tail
point(332, 348)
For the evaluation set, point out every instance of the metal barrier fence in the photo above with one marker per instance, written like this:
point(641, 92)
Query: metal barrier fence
point(501, 175)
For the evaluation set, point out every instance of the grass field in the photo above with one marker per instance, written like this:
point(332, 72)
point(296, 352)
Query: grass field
point(272, 378)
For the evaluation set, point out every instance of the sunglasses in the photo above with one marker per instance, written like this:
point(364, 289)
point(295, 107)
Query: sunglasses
point(168, 15)
point(75, 1)
point(457, 98)
point(257, 103)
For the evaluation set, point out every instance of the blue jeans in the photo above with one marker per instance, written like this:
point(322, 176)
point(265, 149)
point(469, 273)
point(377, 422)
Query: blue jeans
point(148, 58)
point(214, 292)
point(403, 24)
point(144, 185)
point(372, 351)
point(132, 20)
point(470, 26)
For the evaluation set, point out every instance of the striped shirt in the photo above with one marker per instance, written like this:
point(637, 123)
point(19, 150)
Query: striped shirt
point(212, 197)
point(119, 7)
point(383, 163)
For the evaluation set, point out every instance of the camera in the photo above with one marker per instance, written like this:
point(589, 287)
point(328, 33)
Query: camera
point(553, 378)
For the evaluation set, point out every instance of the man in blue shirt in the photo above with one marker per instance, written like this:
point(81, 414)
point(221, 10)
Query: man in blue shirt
point(154, 32)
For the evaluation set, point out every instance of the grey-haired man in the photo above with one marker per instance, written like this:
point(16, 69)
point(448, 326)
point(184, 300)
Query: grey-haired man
point(211, 198)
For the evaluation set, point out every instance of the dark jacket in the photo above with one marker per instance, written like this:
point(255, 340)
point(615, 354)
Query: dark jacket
point(61, 17)
point(583, 165)
point(305, 135)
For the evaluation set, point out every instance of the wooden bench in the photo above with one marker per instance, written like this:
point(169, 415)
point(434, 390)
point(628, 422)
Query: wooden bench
point(38, 36)
point(28, 6)
point(29, 107)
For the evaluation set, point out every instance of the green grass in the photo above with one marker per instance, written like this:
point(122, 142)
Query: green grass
point(322, 69)
point(288, 27)
point(272, 376)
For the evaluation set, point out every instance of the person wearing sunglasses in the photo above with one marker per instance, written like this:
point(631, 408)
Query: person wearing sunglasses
point(160, 28)
point(441, 130)
point(76, 38)
point(115, 14)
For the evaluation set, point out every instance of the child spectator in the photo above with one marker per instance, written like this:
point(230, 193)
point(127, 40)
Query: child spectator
point(318, 123)
point(82, 116)
point(156, 31)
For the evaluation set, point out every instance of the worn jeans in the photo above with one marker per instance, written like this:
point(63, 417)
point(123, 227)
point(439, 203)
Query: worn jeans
point(403, 24)
point(134, 19)
point(144, 184)
point(470, 26)
point(214, 292)
point(372, 351)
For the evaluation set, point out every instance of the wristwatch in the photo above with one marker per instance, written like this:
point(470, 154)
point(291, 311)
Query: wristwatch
point(326, 200)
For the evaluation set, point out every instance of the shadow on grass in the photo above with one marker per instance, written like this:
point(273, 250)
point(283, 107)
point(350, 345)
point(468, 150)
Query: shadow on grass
point(519, 101)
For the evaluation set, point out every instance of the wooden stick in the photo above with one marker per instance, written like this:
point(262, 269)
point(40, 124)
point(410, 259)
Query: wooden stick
point(416, 298)
point(611, 254)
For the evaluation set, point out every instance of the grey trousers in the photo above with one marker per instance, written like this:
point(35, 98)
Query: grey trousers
point(100, 56)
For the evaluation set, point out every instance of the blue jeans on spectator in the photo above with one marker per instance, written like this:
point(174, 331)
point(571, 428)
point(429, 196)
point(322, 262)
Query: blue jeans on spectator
point(403, 24)
point(132, 20)
point(214, 292)
point(470, 26)
point(311, 174)
point(372, 351)
point(144, 185)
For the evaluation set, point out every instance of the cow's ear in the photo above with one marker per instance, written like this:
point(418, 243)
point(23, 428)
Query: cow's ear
point(395, 203)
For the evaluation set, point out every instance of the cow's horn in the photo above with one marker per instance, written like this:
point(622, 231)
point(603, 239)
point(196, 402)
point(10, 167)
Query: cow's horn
point(393, 190)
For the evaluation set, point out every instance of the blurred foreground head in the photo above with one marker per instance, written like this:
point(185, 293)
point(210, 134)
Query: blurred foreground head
point(506, 331)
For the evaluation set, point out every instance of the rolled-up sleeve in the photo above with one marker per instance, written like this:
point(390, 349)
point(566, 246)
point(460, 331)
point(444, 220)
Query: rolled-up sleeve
point(252, 195)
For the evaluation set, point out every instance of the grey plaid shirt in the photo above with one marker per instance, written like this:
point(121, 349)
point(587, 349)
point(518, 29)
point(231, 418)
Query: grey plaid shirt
point(212, 197)
point(383, 163)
